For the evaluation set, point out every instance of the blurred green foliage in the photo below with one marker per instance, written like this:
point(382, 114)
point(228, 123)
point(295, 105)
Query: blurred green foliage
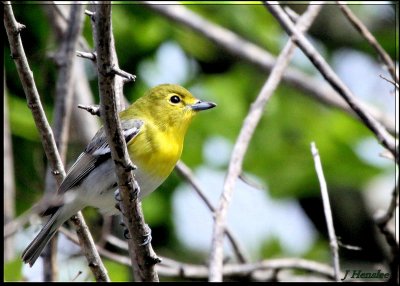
point(279, 152)
point(12, 270)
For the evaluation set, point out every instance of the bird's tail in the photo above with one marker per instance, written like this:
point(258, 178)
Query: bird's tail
point(35, 248)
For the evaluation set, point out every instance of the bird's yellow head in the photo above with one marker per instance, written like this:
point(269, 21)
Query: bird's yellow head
point(170, 106)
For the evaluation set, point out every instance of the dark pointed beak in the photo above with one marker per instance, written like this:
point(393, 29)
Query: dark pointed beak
point(202, 105)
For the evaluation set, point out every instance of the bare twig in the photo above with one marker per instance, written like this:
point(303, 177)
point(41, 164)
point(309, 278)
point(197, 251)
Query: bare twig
point(34, 103)
point(185, 172)
point(241, 145)
point(89, 13)
point(384, 219)
point(31, 92)
point(115, 70)
point(396, 84)
point(86, 55)
point(253, 54)
point(92, 256)
point(143, 257)
point(127, 76)
point(252, 183)
point(327, 211)
point(88, 125)
point(171, 268)
point(175, 269)
point(382, 223)
point(348, 246)
point(360, 27)
point(118, 82)
point(94, 110)
point(326, 71)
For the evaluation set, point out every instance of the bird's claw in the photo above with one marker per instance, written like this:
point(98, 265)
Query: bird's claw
point(117, 195)
point(126, 230)
point(147, 236)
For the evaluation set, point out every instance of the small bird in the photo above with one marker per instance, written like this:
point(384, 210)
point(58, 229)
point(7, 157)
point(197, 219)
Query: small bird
point(154, 127)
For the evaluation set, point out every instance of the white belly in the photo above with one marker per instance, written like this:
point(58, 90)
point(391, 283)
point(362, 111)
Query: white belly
point(98, 190)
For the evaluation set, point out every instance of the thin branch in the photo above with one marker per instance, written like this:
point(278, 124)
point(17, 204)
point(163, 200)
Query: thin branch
point(382, 223)
point(252, 271)
point(115, 70)
point(33, 99)
point(396, 84)
point(89, 13)
point(253, 54)
point(86, 55)
point(327, 211)
point(326, 71)
point(186, 173)
point(360, 27)
point(34, 103)
point(384, 219)
point(92, 256)
point(171, 268)
point(118, 82)
point(94, 110)
point(143, 257)
point(127, 76)
point(88, 125)
point(242, 143)
point(251, 183)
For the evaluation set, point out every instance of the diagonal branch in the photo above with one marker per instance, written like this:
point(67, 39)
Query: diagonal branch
point(370, 39)
point(326, 71)
point(242, 143)
point(13, 29)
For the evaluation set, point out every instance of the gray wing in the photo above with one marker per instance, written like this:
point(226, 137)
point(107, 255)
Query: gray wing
point(96, 153)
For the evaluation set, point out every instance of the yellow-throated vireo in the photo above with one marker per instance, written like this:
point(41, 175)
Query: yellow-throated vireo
point(154, 127)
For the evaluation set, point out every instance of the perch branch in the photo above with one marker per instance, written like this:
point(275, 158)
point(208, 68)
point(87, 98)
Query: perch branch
point(143, 258)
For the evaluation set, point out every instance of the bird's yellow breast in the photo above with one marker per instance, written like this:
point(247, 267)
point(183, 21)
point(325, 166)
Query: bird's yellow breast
point(156, 153)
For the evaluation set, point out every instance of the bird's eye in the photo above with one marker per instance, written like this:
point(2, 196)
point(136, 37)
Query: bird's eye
point(175, 99)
